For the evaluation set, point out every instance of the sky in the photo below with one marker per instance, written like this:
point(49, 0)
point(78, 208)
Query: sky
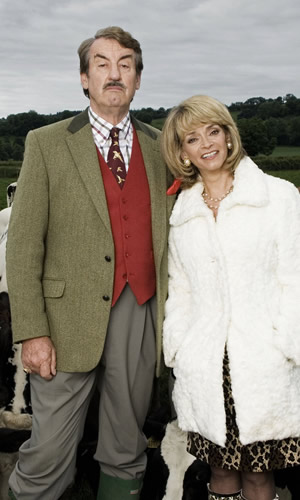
point(229, 49)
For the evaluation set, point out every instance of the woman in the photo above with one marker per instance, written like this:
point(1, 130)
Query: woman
point(232, 326)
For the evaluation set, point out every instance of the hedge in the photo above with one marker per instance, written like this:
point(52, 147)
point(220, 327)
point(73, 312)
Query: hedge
point(267, 163)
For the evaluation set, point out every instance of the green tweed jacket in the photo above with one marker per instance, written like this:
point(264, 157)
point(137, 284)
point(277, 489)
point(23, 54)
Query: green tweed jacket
point(59, 235)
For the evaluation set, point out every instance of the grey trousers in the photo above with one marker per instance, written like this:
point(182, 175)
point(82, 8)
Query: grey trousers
point(124, 377)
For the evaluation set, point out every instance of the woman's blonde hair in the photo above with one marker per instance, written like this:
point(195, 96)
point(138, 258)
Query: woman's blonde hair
point(190, 114)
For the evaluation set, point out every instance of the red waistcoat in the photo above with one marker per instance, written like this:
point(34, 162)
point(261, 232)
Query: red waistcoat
point(130, 217)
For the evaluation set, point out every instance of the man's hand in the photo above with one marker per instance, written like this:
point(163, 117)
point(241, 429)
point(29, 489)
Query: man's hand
point(39, 356)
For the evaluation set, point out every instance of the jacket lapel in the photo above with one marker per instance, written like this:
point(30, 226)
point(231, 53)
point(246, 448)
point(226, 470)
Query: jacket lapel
point(83, 150)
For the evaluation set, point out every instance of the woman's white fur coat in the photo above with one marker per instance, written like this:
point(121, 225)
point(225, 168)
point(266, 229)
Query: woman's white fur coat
point(236, 282)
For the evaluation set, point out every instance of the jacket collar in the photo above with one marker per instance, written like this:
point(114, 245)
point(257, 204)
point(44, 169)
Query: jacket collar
point(249, 188)
point(79, 121)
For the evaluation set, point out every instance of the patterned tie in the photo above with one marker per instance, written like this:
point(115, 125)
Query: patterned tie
point(115, 159)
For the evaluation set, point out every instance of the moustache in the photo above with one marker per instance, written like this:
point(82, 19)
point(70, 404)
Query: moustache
point(114, 84)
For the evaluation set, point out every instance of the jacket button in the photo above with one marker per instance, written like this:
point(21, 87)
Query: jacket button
point(107, 258)
point(105, 297)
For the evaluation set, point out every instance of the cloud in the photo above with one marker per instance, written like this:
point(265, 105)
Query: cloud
point(231, 49)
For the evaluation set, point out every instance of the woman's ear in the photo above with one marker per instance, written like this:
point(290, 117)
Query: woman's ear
point(183, 155)
point(228, 141)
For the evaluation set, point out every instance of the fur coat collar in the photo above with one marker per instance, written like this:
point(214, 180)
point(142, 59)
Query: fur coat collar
point(249, 189)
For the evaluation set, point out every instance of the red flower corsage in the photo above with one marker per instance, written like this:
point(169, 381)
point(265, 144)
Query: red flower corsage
point(174, 188)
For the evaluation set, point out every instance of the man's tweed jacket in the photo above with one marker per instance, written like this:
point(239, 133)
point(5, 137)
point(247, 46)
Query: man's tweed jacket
point(60, 234)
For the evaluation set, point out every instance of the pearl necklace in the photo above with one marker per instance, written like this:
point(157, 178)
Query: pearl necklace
point(208, 200)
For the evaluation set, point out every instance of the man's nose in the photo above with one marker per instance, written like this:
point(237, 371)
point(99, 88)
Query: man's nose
point(114, 73)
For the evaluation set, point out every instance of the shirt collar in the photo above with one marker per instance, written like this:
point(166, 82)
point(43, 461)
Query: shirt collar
point(103, 128)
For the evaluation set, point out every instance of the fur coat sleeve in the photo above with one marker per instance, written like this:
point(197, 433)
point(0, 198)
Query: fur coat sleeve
point(177, 307)
point(287, 323)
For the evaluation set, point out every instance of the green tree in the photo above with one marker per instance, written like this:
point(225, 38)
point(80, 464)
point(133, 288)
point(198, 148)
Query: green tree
point(255, 137)
point(271, 108)
point(17, 152)
point(145, 115)
point(278, 128)
point(3, 152)
point(294, 131)
point(250, 107)
point(292, 104)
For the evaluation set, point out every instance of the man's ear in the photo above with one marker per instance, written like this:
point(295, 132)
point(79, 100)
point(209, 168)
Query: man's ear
point(84, 80)
point(138, 82)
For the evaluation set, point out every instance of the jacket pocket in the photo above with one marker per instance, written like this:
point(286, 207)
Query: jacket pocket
point(53, 288)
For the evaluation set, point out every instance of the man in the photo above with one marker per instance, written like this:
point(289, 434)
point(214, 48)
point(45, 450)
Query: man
point(87, 277)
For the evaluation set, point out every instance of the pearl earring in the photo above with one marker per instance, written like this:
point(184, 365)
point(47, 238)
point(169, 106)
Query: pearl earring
point(229, 145)
point(187, 162)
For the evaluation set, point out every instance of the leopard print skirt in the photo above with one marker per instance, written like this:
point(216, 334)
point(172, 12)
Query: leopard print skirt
point(255, 457)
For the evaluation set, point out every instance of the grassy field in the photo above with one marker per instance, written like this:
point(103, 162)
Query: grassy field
point(158, 123)
point(286, 151)
point(10, 168)
point(290, 175)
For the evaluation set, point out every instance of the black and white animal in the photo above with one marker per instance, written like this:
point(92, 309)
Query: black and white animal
point(10, 193)
point(289, 480)
point(15, 408)
point(188, 477)
point(173, 473)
